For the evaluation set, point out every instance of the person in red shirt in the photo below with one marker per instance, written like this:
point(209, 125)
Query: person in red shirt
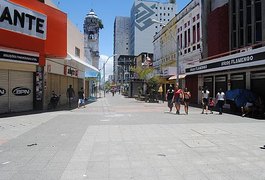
point(178, 96)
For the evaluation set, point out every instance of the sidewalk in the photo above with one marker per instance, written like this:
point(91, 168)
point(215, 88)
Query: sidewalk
point(117, 138)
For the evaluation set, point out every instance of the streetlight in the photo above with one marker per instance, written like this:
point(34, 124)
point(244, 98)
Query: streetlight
point(104, 69)
point(177, 46)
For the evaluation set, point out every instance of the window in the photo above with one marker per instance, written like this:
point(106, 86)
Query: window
point(77, 52)
point(198, 16)
point(198, 32)
point(185, 39)
point(188, 37)
point(193, 34)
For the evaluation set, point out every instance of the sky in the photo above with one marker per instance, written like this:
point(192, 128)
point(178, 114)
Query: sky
point(106, 10)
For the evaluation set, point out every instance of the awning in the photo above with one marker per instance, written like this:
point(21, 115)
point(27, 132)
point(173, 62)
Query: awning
point(88, 67)
point(181, 76)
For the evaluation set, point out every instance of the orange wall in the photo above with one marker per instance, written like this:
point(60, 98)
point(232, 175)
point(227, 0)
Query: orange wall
point(56, 43)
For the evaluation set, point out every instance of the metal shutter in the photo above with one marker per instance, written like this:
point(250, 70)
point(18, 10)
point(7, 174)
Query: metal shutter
point(4, 89)
point(24, 80)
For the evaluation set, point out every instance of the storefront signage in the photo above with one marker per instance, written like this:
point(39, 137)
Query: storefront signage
point(21, 91)
point(229, 62)
point(10, 56)
point(21, 20)
point(69, 71)
point(2, 91)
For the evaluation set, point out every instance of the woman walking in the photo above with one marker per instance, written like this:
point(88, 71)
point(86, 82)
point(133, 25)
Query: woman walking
point(205, 97)
point(169, 97)
point(178, 96)
point(220, 96)
point(187, 96)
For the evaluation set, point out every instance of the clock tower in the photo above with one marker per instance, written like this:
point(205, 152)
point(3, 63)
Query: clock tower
point(91, 38)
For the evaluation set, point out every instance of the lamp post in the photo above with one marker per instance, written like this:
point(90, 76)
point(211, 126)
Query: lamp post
point(177, 47)
point(104, 69)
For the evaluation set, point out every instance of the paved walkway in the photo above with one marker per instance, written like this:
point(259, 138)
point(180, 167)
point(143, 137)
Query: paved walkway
point(117, 138)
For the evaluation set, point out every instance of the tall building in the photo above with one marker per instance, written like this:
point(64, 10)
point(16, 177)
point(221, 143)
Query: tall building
point(143, 28)
point(121, 41)
point(91, 38)
point(135, 34)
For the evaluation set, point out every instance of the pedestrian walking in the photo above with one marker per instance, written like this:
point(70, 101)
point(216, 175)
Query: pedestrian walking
point(169, 97)
point(81, 98)
point(220, 96)
point(178, 96)
point(205, 98)
point(70, 93)
point(187, 96)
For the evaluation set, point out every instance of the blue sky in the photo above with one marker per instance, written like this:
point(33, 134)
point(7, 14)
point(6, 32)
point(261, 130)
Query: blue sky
point(106, 10)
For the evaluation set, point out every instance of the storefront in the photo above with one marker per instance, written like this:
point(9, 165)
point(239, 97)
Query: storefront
point(17, 70)
point(25, 42)
point(244, 70)
point(60, 73)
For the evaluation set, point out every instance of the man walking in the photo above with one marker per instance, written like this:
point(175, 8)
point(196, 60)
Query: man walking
point(81, 98)
point(70, 93)
point(169, 97)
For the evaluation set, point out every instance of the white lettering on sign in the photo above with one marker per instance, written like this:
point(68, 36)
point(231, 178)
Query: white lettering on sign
point(21, 20)
point(237, 61)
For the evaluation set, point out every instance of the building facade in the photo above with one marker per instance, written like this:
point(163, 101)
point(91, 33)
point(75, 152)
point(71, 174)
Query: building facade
point(121, 42)
point(242, 66)
point(184, 33)
point(22, 64)
point(142, 26)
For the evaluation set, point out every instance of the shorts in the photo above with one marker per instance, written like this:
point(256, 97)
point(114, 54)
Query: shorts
point(177, 100)
point(81, 101)
point(205, 101)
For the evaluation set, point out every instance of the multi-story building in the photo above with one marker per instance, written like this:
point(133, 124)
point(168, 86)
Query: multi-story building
point(121, 42)
point(142, 26)
point(184, 29)
point(235, 52)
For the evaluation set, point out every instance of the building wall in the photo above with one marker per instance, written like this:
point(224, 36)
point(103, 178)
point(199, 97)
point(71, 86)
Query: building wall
point(143, 29)
point(184, 28)
point(74, 39)
point(218, 31)
point(247, 23)
point(121, 40)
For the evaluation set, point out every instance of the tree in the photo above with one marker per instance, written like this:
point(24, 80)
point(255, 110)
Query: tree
point(100, 24)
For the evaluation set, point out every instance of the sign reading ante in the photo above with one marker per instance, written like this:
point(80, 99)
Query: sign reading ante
point(21, 20)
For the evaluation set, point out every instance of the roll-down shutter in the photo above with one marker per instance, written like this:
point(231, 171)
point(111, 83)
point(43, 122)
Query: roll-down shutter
point(4, 91)
point(21, 91)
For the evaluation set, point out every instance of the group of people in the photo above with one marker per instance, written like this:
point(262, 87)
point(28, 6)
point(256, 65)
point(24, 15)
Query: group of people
point(178, 96)
point(209, 103)
point(71, 95)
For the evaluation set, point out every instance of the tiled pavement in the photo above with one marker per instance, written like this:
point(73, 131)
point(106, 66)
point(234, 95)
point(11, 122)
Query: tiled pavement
point(117, 138)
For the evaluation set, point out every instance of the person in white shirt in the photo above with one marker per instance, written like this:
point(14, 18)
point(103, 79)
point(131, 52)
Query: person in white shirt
point(205, 98)
point(220, 96)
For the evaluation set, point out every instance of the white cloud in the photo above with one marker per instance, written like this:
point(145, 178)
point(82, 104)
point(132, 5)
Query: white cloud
point(109, 65)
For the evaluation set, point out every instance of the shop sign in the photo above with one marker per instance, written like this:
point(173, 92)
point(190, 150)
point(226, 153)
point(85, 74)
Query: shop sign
point(2, 91)
point(69, 71)
point(21, 91)
point(21, 20)
point(10, 56)
point(229, 62)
